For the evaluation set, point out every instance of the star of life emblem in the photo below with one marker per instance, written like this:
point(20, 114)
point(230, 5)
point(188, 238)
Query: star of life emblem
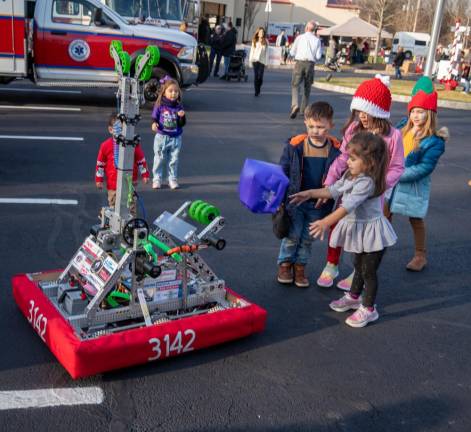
point(79, 50)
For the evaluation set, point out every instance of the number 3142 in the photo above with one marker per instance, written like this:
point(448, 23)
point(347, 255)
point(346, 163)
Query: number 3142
point(183, 342)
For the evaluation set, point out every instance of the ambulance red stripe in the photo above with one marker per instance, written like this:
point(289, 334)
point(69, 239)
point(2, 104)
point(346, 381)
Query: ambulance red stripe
point(12, 30)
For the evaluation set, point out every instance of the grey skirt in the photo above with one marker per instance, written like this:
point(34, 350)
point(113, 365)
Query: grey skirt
point(363, 236)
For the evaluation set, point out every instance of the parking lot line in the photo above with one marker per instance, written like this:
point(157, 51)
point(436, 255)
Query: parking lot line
point(32, 137)
point(43, 108)
point(37, 201)
point(21, 399)
point(29, 90)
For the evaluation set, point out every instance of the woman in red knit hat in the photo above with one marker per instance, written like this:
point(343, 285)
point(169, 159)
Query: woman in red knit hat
point(370, 112)
point(423, 146)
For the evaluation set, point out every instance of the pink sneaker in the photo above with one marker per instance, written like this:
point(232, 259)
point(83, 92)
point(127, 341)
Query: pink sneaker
point(345, 303)
point(362, 317)
point(346, 284)
point(330, 272)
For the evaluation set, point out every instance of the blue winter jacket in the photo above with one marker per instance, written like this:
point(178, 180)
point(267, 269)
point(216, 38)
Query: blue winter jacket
point(410, 197)
point(292, 164)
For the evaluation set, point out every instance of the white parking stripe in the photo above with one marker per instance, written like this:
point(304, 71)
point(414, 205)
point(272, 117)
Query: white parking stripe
point(31, 137)
point(21, 399)
point(39, 90)
point(44, 108)
point(37, 201)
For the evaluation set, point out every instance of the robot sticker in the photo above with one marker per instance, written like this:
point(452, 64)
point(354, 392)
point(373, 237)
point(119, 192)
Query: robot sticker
point(94, 264)
point(79, 50)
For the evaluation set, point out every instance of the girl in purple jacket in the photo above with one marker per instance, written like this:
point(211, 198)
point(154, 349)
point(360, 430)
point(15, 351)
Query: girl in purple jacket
point(168, 119)
point(370, 107)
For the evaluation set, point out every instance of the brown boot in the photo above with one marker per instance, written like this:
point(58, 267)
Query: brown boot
point(300, 280)
point(417, 263)
point(285, 273)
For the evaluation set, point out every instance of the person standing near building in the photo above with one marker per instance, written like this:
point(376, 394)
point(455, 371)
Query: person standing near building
point(306, 50)
point(281, 40)
point(229, 43)
point(259, 57)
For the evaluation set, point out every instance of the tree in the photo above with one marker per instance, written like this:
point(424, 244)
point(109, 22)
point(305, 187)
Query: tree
point(251, 10)
point(381, 13)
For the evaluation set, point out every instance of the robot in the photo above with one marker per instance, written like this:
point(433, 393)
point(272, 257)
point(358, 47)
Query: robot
point(133, 291)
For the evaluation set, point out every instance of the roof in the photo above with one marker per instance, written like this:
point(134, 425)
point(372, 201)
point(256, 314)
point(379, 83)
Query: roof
point(354, 27)
point(343, 4)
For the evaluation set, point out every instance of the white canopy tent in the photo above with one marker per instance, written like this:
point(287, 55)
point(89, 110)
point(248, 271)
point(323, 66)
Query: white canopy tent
point(355, 27)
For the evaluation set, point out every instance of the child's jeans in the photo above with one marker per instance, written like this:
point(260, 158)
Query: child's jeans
point(296, 248)
point(166, 149)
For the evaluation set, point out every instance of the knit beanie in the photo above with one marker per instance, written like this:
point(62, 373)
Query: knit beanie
point(424, 95)
point(373, 97)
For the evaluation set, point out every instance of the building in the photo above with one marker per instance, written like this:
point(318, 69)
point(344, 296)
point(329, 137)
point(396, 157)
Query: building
point(247, 15)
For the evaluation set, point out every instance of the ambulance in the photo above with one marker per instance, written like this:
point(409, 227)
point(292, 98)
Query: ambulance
point(66, 43)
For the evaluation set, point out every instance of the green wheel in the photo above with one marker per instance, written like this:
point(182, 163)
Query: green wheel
point(209, 214)
point(125, 62)
point(199, 212)
point(154, 54)
point(117, 45)
point(115, 297)
point(191, 210)
point(146, 73)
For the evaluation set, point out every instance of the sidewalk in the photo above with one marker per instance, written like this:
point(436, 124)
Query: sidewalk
point(443, 103)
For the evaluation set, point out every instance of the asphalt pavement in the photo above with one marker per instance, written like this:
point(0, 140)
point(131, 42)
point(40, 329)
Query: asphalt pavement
point(410, 371)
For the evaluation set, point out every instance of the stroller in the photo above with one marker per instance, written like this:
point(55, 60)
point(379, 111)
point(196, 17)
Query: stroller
point(237, 66)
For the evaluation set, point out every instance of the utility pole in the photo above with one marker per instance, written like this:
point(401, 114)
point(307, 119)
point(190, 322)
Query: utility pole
point(416, 14)
point(437, 22)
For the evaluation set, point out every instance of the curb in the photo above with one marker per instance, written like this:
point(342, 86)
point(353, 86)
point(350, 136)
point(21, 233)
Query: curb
point(395, 98)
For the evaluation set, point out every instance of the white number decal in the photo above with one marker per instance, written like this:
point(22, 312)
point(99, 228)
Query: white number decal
point(155, 348)
point(39, 322)
point(188, 346)
point(175, 346)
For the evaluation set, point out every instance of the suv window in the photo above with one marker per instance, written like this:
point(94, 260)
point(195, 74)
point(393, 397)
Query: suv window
point(78, 12)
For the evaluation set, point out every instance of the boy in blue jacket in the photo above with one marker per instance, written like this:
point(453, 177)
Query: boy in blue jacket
point(306, 159)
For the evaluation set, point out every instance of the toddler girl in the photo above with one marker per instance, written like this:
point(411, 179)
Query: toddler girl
point(370, 107)
point(361, 227)
point(423, 146)
point(168, 120)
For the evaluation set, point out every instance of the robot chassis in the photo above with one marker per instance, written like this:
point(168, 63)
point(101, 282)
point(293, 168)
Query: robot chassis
point(116, 279)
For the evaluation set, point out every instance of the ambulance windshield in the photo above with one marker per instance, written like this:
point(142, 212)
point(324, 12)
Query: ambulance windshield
point(162, 9)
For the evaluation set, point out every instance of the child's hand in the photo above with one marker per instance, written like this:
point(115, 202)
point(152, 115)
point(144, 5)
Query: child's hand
point(318, 228)
point(299, 197)
point(155, 127)
point(181, 113)
point(145, 180)
point(320, 202)
point(99, 185)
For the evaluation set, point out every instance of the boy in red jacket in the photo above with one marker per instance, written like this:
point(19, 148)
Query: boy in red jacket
point(107, 162)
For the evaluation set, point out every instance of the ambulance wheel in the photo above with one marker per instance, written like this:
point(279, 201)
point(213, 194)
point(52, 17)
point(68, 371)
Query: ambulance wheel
point(151, 87)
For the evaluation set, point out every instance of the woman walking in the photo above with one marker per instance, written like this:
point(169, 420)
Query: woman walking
point(259, 57)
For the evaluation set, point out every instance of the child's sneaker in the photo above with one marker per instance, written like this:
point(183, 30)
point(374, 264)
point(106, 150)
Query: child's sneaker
point(346, 284)
point(156, 184)
point(362, 317)
point(345, 303)
point(173, 184)
point(330, 272)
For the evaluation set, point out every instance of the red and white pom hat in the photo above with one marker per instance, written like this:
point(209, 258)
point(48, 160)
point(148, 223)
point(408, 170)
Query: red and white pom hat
point(373, 97)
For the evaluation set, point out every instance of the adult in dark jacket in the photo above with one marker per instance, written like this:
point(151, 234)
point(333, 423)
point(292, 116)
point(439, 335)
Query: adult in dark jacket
point(228, 46)
point(216, 50)
point(398, 61)
point(204, 31)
